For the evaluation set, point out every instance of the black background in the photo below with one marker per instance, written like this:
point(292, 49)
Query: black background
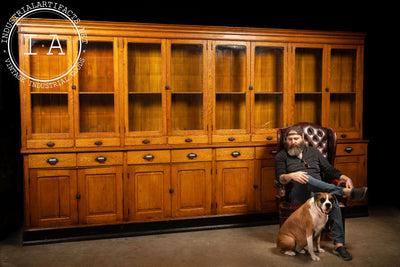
point(381, 68)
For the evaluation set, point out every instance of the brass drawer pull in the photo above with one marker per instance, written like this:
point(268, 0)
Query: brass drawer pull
point(101, 159)
point(52, 161)
point(235, 154)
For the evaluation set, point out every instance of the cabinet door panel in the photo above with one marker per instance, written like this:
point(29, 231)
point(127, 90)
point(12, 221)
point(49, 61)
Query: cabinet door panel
point(235, 192)
point(52, 198)
point(148, 192)
point(100, 192)
point(192, 189)
point(353, 167)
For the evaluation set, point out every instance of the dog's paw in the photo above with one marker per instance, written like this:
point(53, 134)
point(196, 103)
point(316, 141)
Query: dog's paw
point(315, 258)
point(290, 253)
point(320, 250)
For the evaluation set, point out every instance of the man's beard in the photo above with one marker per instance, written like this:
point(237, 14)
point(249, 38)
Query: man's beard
point(295, 150)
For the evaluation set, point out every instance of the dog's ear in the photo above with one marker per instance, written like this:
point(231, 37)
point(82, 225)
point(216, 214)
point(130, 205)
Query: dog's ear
point(317, 195)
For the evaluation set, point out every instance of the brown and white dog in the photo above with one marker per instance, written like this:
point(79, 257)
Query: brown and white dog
point(305, 225)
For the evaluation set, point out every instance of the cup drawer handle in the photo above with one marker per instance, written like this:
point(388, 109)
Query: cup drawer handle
point(148, 157)
point(235, 154)
point(101, 159)
point(348, 149)
point(52, 161)
point(192, 155)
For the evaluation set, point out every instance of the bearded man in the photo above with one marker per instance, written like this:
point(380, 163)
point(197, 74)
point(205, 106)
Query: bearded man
point(302, 166)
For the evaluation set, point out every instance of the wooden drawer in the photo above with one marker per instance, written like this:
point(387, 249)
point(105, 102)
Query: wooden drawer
point(191, 155)
point(146, 157)
point(202, 139)
point(142, 141)
point(350, 149)
point(52, 160)
point(264, 152)
point(99, 159)
point(231, 138)
point(235, 153)
point(98, 142)
point(58, 143)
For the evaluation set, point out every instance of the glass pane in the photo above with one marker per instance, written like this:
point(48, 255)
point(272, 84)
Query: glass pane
point(96, 113)
point(230, 111)
point(268, 111)
point(187, 112)
point(268, 69)
point(230, 87)
point(144, 68)
point(342, 110)
point(145, 112)
point(187, 86)
point(308, 70)
point(186, 68)
point(96, 89)
point(230, 68)
point(144, 87)
point(46, 66)
point(343, 70)
point(97, 73)
point(50, 113)
point(308, 108)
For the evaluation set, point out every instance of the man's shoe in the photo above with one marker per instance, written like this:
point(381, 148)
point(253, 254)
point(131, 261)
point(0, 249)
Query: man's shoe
point(358, 193)
point(343, 253)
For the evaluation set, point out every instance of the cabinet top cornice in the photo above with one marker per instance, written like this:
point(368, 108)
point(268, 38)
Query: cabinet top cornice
point(150, 30)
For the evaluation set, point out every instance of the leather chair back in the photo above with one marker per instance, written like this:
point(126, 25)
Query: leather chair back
point(324, 139)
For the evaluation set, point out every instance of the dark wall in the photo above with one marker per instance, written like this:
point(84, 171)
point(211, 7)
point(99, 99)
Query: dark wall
point(380, 88)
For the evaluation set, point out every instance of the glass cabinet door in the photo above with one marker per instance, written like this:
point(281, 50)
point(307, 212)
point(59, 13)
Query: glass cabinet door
point(187, 83)
point(146, 84)
point(231, 85)
point(268, 87)
point(308, 82)
point(97, 87)
point(343, 89)
point(46, 58)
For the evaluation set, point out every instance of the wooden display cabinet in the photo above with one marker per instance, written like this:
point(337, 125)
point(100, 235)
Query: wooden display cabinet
point(163, 122)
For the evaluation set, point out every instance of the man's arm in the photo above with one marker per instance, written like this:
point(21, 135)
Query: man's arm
point(281, 171)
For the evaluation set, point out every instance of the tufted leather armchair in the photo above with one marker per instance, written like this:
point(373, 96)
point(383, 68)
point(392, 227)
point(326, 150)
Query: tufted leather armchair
point(325, 140)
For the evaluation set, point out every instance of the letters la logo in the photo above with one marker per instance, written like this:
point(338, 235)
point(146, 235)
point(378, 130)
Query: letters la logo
point(50, 46)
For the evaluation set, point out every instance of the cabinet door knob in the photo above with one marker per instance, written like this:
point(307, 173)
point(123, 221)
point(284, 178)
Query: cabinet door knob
point(78, 196)
point(235, 154)
point(192, 155)
point(52, 161)
point(101, 159)
point(171, 191)
point(255, 186)
point(148, 157)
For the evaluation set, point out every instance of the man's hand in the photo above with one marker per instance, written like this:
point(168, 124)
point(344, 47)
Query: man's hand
point(348, 181)
point(300, 177)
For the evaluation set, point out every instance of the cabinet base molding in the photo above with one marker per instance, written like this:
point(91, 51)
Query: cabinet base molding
point(79, 233)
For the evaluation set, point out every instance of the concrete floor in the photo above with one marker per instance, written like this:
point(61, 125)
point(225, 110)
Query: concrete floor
point(373, 241)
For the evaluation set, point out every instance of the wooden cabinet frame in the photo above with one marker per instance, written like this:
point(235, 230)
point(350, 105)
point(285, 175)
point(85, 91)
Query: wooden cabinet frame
point(237, 86)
